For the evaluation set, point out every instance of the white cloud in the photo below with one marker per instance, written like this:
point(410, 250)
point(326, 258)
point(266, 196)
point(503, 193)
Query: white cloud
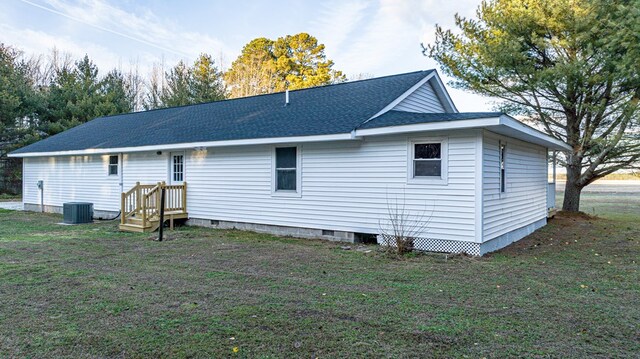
point(34, 42)
point(143, 31)
point(384, 38)
point(144, 27)
point(392, 34)
point(337, 22)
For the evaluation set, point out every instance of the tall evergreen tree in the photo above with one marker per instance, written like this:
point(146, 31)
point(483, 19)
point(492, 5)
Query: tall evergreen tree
point(573, 67)
point(19, 100)
point(62, 93)
point(77, 95)
point(19, 104)
point(186, 85)
point(206, 80)
point(86, 91)
point(177, 91)
point(116, 96)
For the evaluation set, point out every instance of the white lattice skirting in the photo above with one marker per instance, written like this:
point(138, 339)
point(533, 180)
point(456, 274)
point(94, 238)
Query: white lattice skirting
point(436, 245)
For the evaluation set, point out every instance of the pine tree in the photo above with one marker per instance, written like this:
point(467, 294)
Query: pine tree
point(573, 67)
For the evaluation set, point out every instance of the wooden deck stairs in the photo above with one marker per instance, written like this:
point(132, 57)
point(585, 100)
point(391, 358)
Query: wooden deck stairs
point(140, 206)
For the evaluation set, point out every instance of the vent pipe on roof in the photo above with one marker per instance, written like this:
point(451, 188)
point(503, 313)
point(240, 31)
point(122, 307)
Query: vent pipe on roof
point(286, 97)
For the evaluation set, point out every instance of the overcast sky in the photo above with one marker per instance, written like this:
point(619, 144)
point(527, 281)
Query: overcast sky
point(373, 37)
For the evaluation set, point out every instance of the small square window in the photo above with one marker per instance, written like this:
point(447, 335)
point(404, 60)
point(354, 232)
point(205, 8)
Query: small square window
point(427, 160)
point(113, 165)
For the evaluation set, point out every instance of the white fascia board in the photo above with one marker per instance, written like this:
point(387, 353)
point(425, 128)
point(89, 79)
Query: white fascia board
point(552, 143)
point(442, 93)
point(433, 126)
point(503, 125)
point(406, 94)
point(182, 146)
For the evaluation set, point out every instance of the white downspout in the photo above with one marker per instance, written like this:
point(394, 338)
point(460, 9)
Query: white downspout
point(121, 172)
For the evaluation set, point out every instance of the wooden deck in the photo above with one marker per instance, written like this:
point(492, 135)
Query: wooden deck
point(140, 206)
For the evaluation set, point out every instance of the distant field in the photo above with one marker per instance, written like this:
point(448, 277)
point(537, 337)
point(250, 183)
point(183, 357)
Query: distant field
point(613, 176)
point(608, 186)
point(618, 199)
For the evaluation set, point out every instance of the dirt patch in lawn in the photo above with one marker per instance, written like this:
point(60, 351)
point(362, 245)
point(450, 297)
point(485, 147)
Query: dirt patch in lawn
point(563, 230)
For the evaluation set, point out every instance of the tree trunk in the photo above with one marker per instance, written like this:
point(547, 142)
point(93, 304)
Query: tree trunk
point(572, 190)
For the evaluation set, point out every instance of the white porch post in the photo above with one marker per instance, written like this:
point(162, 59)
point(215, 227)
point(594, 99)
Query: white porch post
point(555, 161)
point(551, 185)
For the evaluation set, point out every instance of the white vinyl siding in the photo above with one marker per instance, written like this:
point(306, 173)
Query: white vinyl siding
point(145, 167)
point(86, 178)
point(72, 178)
point(424, 99)
point(345, 186)
point(524, 199)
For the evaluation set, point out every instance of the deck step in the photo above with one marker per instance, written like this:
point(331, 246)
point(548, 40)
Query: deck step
point(133, 220)
point(135, 224)
point(130, 227)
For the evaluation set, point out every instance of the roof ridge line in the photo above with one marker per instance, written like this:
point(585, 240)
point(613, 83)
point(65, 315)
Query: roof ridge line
point(264, 94)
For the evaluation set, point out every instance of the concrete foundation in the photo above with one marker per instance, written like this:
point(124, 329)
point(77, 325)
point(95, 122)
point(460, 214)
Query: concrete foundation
point(310, 233)
point(426, 244)
point(97, 213)
point(513, 236)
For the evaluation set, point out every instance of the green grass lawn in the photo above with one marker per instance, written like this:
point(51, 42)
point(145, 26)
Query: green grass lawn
point(570, 290)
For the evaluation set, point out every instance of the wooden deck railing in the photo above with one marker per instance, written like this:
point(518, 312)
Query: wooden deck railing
point(143, 201)
point(175, 197)
point(131, 202)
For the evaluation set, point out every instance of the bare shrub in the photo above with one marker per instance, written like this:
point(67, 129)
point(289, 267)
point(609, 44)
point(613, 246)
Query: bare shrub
point(402, 227)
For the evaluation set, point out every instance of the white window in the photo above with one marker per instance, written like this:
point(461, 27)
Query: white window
point(286, 174)
point(177, 167)
point(428, 160)
point(502, 154)
point(113, 165)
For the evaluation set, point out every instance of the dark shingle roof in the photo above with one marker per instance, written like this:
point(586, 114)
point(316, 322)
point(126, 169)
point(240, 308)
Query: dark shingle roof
point(397, 118)
point(323, 110)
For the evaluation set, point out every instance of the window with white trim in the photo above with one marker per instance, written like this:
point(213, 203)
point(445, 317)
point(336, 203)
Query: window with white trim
point(286, 169)
point(427, 160)
point(177, 164)
point(502, 154)
point(113, 165)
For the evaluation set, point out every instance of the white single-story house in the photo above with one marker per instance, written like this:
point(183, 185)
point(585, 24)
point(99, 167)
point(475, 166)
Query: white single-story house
point(321, 162)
